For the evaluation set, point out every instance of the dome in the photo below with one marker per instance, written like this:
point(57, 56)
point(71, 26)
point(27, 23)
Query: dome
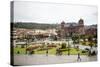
point(81, 20)
point(62, 22)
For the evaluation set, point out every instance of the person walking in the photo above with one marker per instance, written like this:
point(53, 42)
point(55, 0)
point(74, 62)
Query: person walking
point(47, 52)
point(78, 58)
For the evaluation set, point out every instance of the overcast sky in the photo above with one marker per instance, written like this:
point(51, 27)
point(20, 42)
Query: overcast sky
point(53, 13)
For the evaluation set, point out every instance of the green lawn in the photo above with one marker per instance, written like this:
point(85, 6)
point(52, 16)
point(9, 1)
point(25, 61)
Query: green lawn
point(73, 51)
point(21, 50)
point(51, 51)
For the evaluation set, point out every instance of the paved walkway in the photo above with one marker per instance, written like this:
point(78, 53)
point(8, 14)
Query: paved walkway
point(51, 59)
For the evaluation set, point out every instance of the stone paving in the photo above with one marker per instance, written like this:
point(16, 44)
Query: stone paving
point(50, 59)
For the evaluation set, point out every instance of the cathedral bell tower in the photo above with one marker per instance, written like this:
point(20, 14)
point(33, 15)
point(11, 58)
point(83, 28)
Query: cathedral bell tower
point(81, 26)
point(62, 30)
point(81, 22)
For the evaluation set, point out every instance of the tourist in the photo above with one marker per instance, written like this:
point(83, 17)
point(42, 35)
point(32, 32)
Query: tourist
point(78, 58)
point(47, 52)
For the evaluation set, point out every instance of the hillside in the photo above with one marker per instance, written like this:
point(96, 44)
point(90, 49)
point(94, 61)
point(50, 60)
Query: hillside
point(31, 25)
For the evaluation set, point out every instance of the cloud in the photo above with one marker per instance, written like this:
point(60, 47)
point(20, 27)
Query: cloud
point(53, 13)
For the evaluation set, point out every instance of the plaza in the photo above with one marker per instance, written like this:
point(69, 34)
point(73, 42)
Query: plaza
point(50, 59)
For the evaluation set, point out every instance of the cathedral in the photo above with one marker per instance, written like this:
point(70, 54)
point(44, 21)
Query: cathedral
point(72, 28)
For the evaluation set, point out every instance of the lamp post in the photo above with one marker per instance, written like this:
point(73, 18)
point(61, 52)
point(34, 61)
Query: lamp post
point(79, 38)
point(69, 36)
point(26, 37)
point(68, 45)
point(68, 48)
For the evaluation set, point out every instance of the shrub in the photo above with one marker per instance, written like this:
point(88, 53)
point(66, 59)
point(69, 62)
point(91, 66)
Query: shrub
point(83, 43)
point(63, 45)
point(83, 51)
point(51, 46)
point(22, 46)
point(18, 52)
point(87, 49)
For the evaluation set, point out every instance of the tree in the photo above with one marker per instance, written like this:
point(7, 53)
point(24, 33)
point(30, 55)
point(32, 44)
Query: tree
point(91, 44)
point(63, 45)
point(75, 39)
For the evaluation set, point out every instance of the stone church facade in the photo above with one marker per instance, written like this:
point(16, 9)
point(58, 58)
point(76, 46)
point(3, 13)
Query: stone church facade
point(69, 29)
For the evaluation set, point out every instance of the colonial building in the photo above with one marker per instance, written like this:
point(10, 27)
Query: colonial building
point(21, 34)
point(69, 29)
point(91, 30)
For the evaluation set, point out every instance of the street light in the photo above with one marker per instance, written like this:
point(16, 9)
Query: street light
point(27, 37)
point(68, 45)
point(70, 36)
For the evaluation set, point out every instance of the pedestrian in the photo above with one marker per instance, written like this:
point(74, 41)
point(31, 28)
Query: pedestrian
point(18, 52)
point(47, 52)
point(56, 51)
point(78, 58)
